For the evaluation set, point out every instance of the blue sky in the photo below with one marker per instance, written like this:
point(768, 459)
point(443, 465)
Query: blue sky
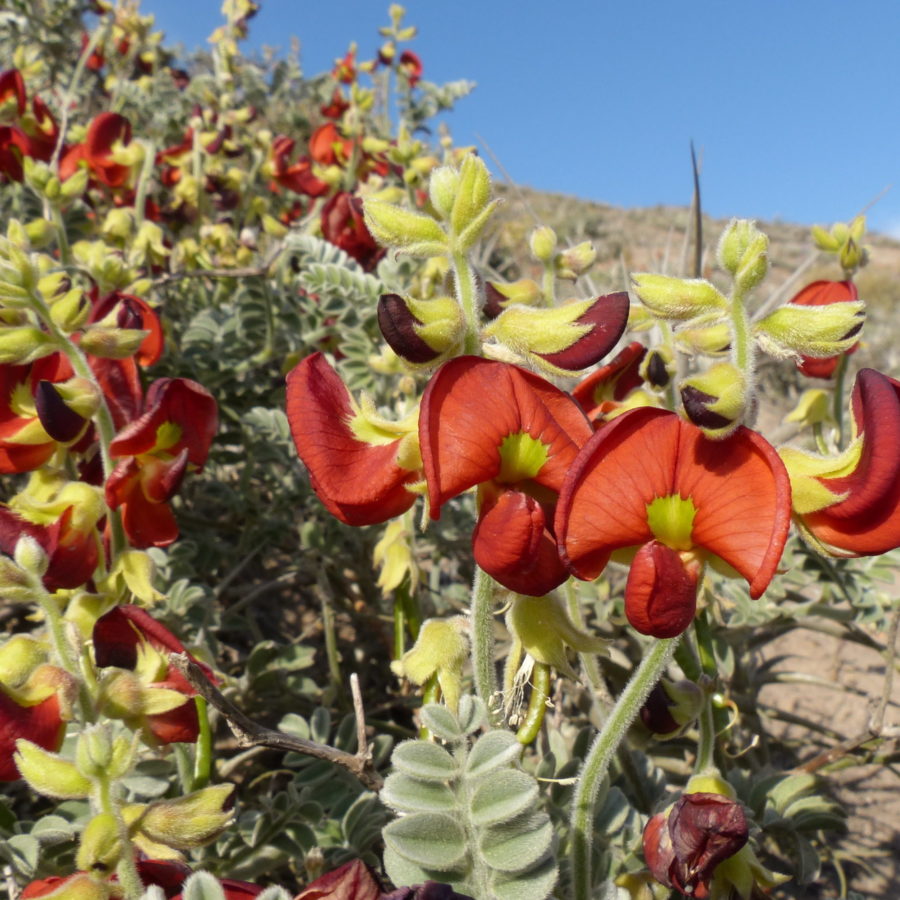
point(793, 104)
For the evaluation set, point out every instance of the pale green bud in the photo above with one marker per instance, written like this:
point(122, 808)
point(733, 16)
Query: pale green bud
point(542, 243)
point(30, 556)
point(816, 331)
point(473, 194)
point(39, 232)
point(575, 261)
point(716, 400)
point(24, 345)
point(122, 757)
point(191, 821)
point(118, 224)
point(100, 847)
point(677, 298)
point(75, 185)
point(442, 189)
point(70, 311)
point(744, 252)
point(93, 752)
point(112, 343)
point(406, 231)
point(49, 774)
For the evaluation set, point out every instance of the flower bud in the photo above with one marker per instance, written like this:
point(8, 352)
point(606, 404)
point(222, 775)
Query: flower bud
point(191, 821)
point(100, 847)
point(112, 343)
point(421, 332)
point(708, 340)
point(442, 189)
point(813, 408)
point(543, 244)
point(677, 298)
point(393, 554)
point(575, 261)
point(19, 346)
point(815, 331)
point(75, 185)
point(70, 311)
point(49, 774)
point(19, 656)
point(408, 232)
point(31, 557)
point(39, 232)
point(657, 367)
point(715, 400)
point(472, 200)
point(671, 707)
point(744, 252)
point(93, 752)
point(498, 295)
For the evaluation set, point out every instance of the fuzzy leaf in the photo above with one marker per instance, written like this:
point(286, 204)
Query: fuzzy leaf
point(519, 845)
point(471, 714)
point(202, 886)
point(439, 720)
point(533, 885)
point(423, 760)
point(405, 872)
point(435, 840)
point(407, 794)
point(492, 751)
point(502, 797)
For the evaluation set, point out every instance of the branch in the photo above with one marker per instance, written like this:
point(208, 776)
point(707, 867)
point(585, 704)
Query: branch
point(251, 734)
point(261, 271)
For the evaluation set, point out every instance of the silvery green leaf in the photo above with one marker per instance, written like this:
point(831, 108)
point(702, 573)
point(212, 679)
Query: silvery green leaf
point(52, 830)
point(492, 751)
point(420, 759)
point(502, 797)
point(612, 813)
point(519, 845)
point(202, 886)
point(22, 851)
point(434, 840)
point(535, 884)
point(320, 725)
point(407, 794)
point(472, 713)
point(441, 722)
point(405, 872)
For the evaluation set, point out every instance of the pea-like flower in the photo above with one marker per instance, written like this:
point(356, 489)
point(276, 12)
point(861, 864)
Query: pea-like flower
point(651, 483)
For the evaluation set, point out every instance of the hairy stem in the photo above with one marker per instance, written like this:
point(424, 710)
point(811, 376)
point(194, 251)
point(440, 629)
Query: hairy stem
point(482, 619)
point(600, 755)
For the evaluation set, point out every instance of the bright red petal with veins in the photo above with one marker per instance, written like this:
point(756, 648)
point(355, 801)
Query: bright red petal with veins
point(471, 404)
point(661, 593)
point(868, 521)
point(603, 502)
point(743, 498)
point(739, 488)
point(41, 724)
point(512, 544)
point(359, 483)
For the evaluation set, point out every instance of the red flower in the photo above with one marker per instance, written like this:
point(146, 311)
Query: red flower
point(823, 293)
point(601, 393)
point(126, 633)
point(336, 107)
point(514, 435)
point(328, 147)
point(343, 225)
point(851, 505)
point(684, 845)
point(155, 451)
point(29, 428)
point(353, 464)
point(104, 132)
point(651, 481)
point(12, 88)
point(298, 176)
point(411, 66)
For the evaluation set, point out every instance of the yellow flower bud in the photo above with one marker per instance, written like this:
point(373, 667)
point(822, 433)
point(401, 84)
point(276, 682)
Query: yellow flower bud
point(100, 847)
point(677, 298)
point(542, 243)
point(49, 774)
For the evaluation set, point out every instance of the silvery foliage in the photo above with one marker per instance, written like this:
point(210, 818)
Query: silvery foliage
point(468, 814)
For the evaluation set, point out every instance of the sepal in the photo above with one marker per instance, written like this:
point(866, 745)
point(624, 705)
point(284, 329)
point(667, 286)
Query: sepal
point(678, 298)
point(408, 232)
point(49, 774)
point(814, 331)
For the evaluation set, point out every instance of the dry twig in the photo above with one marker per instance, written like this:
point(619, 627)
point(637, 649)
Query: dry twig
point(251, 734)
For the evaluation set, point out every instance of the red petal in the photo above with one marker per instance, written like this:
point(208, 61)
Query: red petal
point(352, 881)
point(73, 554)
point(471, 404)
point(614, 381)
point(177, 726)
point(41, 724)
point(609, 316)
point(359, 483)
point(868, 521)
point(743, 497)
point(513, 545)
point(661, 593)
point(603, 502)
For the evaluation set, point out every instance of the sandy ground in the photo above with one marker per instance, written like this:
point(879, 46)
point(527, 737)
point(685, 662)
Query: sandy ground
point(870, 793)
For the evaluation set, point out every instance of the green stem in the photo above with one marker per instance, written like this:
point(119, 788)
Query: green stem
point(706, 745)
point(588, 660)
point(537, 704)
point(548, 284)
point(483, 638)
point(143, 185)
point(466, 295)
point(741, 336)
point(331, 650)
point(600, 755)
point(61, 648)
point(203, 747)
